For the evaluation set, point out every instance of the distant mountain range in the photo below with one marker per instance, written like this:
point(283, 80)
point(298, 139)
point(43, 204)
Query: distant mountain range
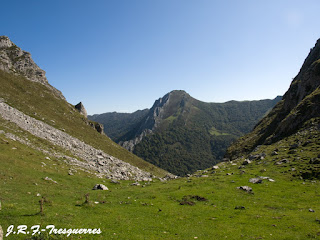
point(181, 134)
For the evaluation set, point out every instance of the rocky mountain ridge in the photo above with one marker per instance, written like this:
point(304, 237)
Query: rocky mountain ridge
point(180, 132)
point(162, 108)
point(299, 104)
point(14, 60)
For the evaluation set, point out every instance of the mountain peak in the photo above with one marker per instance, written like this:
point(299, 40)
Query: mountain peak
point(313, 55)
point(178, 93)
point(14, 60)
point(5, 42)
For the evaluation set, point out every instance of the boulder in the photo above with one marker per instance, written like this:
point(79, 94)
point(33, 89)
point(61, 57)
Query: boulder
point(115, 181)
point(100, 187)
point(97, 126)
point(135, 184)
point(267, 178)
point(245, 188)
point(246, 162)
point(282, 161)
point(255, 180)
point(50, 179)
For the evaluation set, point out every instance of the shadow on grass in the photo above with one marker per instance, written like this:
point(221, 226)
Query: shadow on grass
point(32, 215)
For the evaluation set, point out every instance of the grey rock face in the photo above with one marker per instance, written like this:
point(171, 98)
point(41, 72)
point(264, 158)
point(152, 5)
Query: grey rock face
point(129, 145)
point(152, 121)
point(5, 42)
point(14, 60)
point(81, 109)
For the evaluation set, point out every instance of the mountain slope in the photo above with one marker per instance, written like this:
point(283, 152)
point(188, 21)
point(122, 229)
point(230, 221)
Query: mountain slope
point(181, 134)
point(207, 205)
point(299, 104)
point(117, 124)
point(35, 97)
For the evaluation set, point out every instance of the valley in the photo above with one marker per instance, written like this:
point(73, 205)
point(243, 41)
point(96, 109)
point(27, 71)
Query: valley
point(181, 134)
point(265, 187)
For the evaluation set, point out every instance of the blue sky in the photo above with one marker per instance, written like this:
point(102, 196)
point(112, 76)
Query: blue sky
point(121, 55)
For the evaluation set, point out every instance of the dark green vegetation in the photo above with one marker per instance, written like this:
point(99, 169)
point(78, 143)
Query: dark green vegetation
point(36, 100)
point(206, 207)
point(117, 124)
point(189, 134)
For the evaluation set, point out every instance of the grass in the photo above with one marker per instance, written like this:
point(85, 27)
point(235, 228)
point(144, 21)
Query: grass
point(275, 210)
point(152, 210)
point(215, 132)
point(38, 101)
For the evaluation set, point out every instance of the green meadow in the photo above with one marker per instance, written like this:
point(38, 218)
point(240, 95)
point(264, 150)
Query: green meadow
point(206, 205)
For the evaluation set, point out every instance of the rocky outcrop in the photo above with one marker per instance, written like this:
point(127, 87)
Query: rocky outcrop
point(91, 158)
point(14, 60)
point(97, 126)
point(130, 144)
point(5, 42)
point(81, 109)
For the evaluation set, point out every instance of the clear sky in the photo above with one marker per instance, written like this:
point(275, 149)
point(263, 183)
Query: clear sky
point(122, 55)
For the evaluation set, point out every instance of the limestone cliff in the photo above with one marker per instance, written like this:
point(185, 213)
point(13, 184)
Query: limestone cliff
point(299, 104)
point(14, 60)
point(161, 109)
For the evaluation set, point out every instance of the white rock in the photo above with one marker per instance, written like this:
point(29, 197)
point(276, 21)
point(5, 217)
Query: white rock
point(100, 187)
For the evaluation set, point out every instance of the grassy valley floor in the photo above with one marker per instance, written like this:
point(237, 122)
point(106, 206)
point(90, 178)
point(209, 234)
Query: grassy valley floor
point(207, 205)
